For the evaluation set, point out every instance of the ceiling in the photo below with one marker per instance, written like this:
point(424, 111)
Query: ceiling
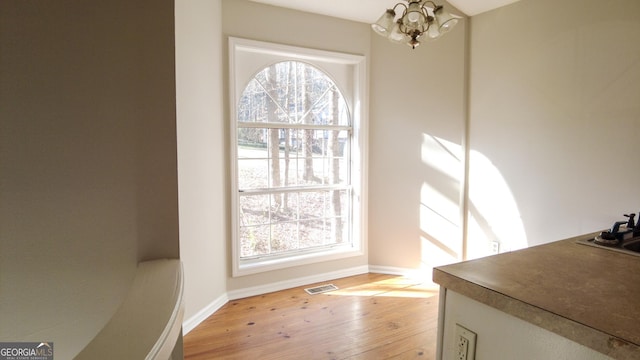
point(354, 9)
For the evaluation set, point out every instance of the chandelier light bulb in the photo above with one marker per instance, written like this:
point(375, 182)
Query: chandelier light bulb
point(385, 23)
point(448, 25)
point(413, 17)
point(396, 35)
point(434, 31)
point(413, 14)
point(446, 21)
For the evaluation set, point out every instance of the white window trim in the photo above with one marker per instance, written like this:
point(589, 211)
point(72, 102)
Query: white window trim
point(358, 104)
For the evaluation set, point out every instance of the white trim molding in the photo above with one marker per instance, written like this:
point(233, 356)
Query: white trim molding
point(288, 284)
point(425, 274)
point(191, 323)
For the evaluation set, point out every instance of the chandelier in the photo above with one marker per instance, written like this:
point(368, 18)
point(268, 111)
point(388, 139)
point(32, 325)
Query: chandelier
point(417, 20)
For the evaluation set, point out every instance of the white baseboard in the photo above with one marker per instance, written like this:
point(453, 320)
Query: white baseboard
point(423, 274)
point(203, 314)
point(288, 284)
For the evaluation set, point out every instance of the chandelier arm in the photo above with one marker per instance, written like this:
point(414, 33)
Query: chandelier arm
point(425, 14)
point(430, 2)
point(429, 17)
point(396, 5)
point(421, 30)
point(425, 9)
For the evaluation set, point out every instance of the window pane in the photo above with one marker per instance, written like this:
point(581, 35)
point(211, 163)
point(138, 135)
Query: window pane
point(255, 240)
point(284, 207)
point(253, 174)
point(313, 233)
point(284, 237)
point(254, 210)
point(252, 143)
point(293, 92)
point(288, 171)
point(313, 204)
point(339, 203)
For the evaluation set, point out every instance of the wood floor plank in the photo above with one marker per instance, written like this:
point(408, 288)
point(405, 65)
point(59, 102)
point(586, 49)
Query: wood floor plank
point(370, 316)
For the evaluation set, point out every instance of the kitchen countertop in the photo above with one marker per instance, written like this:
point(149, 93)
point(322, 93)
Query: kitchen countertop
point(584, 293)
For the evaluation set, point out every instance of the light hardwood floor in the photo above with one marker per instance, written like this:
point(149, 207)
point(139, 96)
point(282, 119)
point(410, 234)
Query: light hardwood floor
point(370, 316)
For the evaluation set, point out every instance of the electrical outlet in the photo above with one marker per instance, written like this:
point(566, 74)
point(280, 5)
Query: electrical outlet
point(462, 349)
point(495, 247)
point(465, 346)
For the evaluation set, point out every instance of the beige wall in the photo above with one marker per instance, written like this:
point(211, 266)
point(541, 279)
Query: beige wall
point(202, 155)
point(555, 118)
point(88, 181)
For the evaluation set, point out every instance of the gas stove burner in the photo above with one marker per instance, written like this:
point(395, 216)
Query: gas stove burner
point(606, 238)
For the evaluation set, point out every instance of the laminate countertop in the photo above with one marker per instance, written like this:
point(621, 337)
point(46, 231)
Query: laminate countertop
point(587, 294)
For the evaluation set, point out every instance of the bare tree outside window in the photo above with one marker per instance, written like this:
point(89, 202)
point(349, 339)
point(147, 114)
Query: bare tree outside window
point(293, 145)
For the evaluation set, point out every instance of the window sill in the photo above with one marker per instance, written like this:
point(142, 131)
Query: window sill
point(249, 267)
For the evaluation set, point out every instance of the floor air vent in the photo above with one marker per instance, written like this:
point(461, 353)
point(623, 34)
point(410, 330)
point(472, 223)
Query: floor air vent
point(321, 289)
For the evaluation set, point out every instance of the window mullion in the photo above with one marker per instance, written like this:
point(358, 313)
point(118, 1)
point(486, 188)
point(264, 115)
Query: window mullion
point(292, 189)
point(271, 125)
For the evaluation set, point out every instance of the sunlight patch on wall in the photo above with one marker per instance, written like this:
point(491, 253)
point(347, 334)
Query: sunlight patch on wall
point(493, 213)
point(493, 218)
point(440, 229)
point(443, 156)
point(439, 222)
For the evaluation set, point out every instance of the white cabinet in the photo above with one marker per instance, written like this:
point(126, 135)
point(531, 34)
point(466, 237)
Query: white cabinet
point(500, 335)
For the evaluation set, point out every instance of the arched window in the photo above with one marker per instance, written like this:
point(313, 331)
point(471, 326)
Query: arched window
point(293, 134)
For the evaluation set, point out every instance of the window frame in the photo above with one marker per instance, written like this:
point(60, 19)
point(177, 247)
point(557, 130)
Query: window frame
point(348, 71)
